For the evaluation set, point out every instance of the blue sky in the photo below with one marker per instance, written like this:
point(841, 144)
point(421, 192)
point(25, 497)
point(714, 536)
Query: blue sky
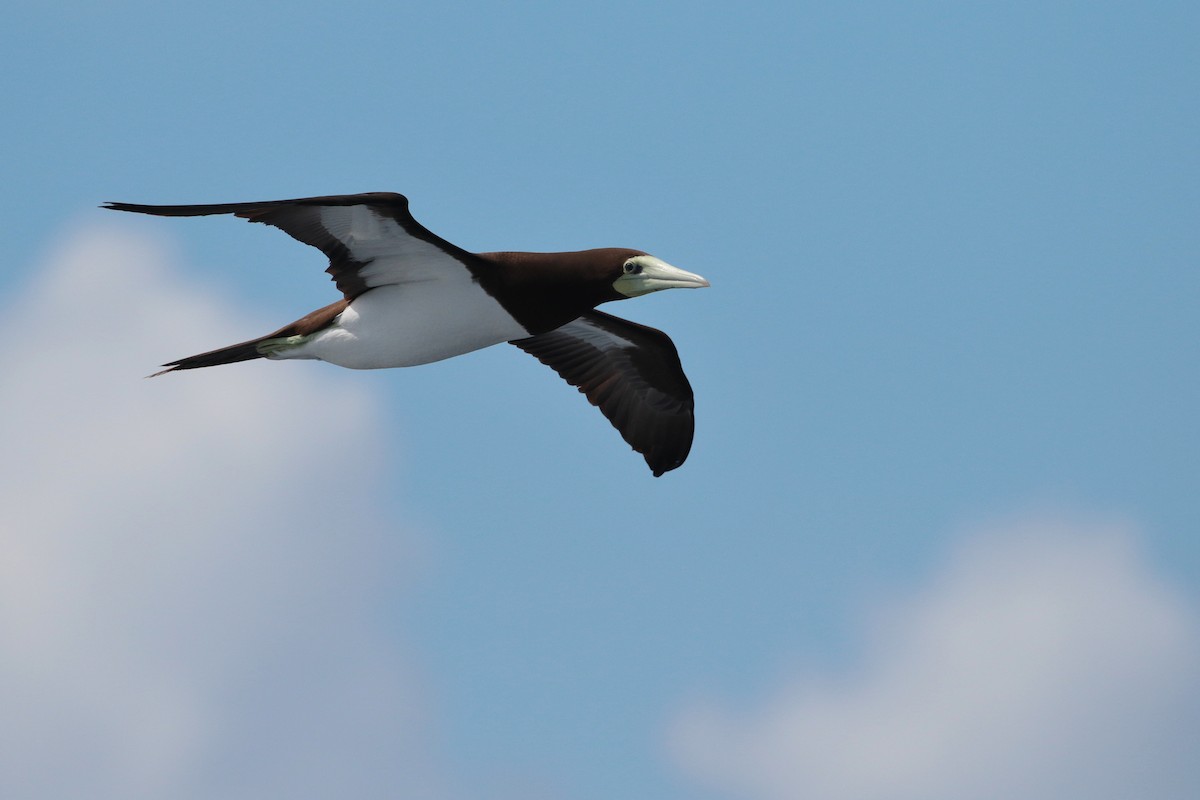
point(951, 338)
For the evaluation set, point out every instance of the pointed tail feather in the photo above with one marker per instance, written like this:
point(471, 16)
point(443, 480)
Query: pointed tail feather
point(243, 351)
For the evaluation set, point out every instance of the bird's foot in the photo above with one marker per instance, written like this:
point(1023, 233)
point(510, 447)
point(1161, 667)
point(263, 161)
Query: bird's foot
point(272, 348)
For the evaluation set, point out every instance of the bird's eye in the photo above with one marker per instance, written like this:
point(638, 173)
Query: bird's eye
point(632, 268)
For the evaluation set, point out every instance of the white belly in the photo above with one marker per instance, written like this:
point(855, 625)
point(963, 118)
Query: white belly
point(410, 324)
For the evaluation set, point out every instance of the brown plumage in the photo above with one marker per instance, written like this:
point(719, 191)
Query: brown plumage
point(442, 300)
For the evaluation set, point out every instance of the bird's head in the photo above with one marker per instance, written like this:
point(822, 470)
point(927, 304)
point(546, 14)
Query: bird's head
point(641, 274)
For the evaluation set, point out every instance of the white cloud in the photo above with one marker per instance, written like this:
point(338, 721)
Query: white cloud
point(1045, 662)
point(194, 571)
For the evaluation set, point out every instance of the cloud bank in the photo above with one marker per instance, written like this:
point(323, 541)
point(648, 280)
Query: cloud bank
point(195, 578)
point(192, 569)
point(1045, 662)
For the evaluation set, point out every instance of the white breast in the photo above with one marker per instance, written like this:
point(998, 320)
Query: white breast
point(402, 326)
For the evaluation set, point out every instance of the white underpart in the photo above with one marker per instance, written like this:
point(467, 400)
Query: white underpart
point(426, 307)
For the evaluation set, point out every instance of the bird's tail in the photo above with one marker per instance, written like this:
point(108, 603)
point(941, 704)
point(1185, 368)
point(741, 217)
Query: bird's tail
point(243, 351)
point(260, 347)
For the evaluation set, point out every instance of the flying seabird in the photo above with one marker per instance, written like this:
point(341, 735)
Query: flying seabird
point(410, 297)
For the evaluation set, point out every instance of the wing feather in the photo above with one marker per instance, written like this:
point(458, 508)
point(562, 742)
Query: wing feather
point(632, 374)
point(370, 239)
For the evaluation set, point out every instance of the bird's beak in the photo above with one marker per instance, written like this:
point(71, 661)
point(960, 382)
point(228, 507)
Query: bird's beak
point(655, 276)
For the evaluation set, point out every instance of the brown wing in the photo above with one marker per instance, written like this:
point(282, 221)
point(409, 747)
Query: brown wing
point(371, 239)
point(632, 374)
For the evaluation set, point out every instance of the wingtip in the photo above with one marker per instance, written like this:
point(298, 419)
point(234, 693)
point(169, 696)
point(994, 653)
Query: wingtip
point(660, 468)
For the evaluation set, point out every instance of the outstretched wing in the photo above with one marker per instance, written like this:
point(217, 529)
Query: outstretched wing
point(632, 374)
point(371, 239)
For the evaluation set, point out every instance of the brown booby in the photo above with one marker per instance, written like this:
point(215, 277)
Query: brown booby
point(410, 297)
